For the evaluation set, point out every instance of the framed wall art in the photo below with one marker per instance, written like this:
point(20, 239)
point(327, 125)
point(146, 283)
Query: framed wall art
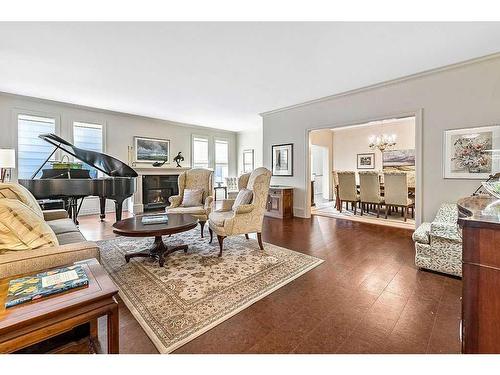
point(471, 153)
point(282, 159)
point(366, 161)
point(150, 150)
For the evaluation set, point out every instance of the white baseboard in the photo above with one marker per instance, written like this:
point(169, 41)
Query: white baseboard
point(299, 212)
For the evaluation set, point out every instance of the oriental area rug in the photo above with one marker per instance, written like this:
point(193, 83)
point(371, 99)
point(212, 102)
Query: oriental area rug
point(197, 290)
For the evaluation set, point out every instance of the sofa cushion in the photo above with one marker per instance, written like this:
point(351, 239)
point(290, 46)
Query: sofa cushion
point(197, 210)
point(219, 217)
point(19, 192)
point(192, 197)
point(421, 235)
point(244, 197)
point(66, 231)
point(22, 229)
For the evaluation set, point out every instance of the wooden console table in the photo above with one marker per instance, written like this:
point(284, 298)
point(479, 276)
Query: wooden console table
point(480, 221)
point(280, 202)
point(30, 323)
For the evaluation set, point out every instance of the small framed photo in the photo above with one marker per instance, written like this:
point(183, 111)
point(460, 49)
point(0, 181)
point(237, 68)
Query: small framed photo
point(471, 153)
point(366, 161)
point(150, 150)
point(282, 159)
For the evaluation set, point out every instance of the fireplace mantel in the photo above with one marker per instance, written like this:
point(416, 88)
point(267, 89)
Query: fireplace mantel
point(137, 207)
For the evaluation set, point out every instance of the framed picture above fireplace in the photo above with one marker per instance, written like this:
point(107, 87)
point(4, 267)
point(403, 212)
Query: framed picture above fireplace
point(150, 150)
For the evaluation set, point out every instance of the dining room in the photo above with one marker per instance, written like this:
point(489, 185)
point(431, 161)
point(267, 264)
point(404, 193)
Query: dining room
point(365, 172)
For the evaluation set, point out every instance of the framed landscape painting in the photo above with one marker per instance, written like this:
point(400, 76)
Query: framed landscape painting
point(398, 158)
point(282, 159)
point(150, 150)
point(471, 153)
point(366, 161)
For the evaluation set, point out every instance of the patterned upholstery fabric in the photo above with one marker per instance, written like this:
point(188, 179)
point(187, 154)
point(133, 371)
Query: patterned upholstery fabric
point(19, 192)
point(196, 178)
point(244, 197)
point(22, 229)
point(72, 246)
point(192, 197)
point(232, 187)
point(247, 218)
point(438, 245)
point(17, 262)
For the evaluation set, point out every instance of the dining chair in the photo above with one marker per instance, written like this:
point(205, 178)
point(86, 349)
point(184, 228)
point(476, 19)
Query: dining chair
point(369, 189)
point(336, 189)
point(347, 189)
point(396, 192)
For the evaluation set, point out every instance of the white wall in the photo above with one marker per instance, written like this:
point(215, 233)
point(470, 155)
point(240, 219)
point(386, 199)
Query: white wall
point(354, 140)
point(246, 140)
point(460, 96)
point(120, 128)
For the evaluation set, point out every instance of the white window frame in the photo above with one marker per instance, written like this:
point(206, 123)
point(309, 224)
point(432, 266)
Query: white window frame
point(228, 142)
point(103, 124)
point(16, 112)
point(90, 122)
point(210, 149)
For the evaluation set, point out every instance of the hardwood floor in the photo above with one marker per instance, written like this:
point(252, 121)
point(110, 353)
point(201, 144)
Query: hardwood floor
point(367, 297)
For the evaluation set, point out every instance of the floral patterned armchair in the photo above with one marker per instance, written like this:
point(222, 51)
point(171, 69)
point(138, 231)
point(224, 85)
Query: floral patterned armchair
point(246, 218)
point(438, 245)
point(196, 178)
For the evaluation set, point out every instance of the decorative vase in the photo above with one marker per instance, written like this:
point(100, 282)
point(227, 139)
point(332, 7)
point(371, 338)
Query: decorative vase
point(474, 169)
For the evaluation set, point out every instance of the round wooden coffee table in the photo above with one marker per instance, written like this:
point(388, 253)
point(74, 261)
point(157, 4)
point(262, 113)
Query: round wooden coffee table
point(133, 227)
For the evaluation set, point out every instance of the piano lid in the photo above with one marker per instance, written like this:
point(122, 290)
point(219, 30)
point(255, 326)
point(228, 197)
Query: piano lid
point(102, 162)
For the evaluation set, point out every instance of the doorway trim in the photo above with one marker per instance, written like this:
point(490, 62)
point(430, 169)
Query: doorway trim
point(417, 114)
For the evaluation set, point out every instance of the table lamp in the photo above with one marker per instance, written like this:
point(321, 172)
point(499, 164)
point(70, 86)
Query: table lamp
point(7, 161)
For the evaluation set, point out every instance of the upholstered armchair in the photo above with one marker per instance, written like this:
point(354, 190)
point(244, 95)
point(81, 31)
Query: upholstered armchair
point(438, 245)
point(246, 218)
point(196, 178)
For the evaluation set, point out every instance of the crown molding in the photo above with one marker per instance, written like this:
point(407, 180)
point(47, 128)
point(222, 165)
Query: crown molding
point(385, 83)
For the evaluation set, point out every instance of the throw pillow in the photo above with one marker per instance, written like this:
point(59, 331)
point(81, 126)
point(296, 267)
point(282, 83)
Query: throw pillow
point(244, 197)
point(19, 192)
point(22, 229)
point(192, 197)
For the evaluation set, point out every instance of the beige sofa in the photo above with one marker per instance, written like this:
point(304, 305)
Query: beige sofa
point(72, 248)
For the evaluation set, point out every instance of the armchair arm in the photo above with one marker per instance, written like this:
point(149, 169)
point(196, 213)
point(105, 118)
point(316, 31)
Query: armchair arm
point(244, 209)
point(227, 205)
point(175, 201)
point(448, 231)
point(49, 215)
point(208, 204)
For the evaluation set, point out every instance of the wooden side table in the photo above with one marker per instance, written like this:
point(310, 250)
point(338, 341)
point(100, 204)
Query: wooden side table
point(33, 322)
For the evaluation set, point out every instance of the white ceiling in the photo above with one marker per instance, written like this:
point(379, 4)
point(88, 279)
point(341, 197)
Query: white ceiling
point(222, 74)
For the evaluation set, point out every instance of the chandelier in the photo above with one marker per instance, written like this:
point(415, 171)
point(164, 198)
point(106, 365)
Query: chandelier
point(382, 142)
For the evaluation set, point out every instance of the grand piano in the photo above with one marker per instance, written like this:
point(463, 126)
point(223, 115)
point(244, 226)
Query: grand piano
point(73, 185)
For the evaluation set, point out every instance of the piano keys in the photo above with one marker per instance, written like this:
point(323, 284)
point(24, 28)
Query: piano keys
point(76, 184)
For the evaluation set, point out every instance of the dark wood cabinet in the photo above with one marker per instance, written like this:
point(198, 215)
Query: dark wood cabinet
point(480, 222)
point(280, 202)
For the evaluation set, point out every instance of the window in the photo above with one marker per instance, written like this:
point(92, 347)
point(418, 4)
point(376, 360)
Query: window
point(89, 137)
point(31, 150)
point(200, 152)
point(221, 160)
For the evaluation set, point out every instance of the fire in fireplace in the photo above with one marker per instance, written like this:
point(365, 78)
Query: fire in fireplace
point(156, 189)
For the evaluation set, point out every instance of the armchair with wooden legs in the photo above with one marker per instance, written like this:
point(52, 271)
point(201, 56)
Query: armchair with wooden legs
point(246, 218)
point(196, 178)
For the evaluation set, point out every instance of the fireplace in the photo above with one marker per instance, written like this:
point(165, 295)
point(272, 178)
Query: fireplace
point(156, 189)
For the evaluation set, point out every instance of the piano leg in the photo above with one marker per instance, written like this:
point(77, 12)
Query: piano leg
point(74, 210)
point(118, 209)
point(102, 207)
